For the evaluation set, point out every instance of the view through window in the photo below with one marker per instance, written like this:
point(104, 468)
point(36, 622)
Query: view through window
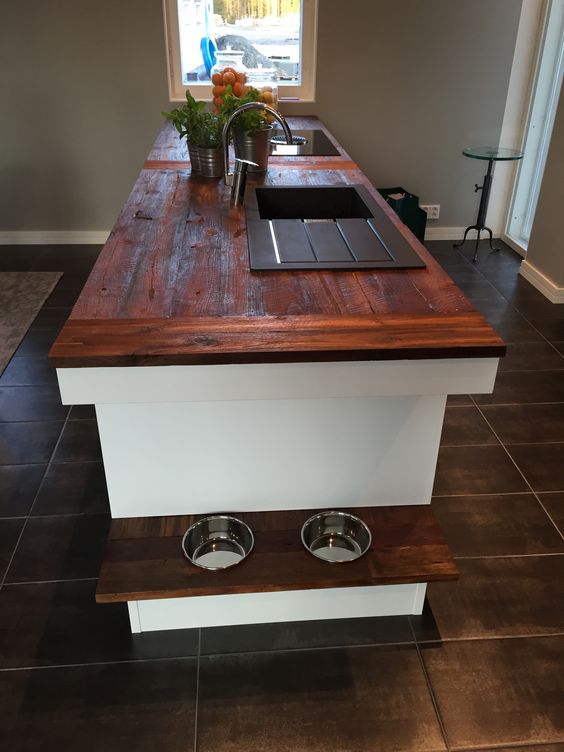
point(268, 31)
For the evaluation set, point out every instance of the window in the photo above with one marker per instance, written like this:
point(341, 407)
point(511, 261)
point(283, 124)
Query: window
point(280, 31)
point(542, 110)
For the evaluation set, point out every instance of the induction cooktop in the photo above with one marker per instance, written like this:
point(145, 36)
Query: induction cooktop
point(309, 143)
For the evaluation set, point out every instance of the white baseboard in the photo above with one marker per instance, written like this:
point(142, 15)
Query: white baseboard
point(542, 283)
point(53, 237)
point(450, 233)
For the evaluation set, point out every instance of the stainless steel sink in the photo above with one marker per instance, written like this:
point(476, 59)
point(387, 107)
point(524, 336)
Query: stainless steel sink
point(323, 227)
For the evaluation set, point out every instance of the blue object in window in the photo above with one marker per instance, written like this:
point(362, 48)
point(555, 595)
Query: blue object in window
point(208, 47)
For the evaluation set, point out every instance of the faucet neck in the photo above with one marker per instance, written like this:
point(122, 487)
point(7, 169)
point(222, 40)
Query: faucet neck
point(228, 176)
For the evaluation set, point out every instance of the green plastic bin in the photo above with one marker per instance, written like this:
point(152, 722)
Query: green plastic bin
point(406, 206)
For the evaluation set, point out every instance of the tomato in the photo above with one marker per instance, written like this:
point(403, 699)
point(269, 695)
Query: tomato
point(218, 91)
point(216, 79)
point(238, 89)
point(229, 78)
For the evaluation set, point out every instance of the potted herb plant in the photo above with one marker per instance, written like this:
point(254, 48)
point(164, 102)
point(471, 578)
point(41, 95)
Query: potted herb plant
point(251, 129)
point(203, 132)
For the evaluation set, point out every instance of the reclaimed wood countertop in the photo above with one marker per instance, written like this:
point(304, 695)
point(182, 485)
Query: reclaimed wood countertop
point(172, 285)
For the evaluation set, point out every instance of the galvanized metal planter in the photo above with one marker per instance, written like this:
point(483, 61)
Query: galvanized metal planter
point(206, 162)
point(253, 146)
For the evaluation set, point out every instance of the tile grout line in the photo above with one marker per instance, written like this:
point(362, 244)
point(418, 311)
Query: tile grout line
point(561, 532)
point(30, 510)
point(49, 582)
point(430, 687)
point(510, 302)
point(521, 473)
point(413, 643)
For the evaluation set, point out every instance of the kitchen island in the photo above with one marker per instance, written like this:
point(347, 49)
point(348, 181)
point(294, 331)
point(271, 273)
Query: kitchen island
point(219, 389)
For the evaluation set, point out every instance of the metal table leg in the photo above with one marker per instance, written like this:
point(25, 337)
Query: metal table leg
point(480, 224)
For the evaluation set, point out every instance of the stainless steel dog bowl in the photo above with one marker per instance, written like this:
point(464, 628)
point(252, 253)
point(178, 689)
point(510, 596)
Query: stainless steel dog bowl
point(217, 542)
point(336, 537)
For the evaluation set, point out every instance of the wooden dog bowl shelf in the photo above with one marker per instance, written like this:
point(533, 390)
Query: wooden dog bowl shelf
point(144, 561)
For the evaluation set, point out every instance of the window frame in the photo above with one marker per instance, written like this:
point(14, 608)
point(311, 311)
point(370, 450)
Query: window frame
point(305, 92)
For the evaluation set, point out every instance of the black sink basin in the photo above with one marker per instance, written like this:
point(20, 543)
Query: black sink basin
point(323, 227)
point(311, 203)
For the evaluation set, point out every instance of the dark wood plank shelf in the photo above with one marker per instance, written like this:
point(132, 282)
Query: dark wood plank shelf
point(143, 558)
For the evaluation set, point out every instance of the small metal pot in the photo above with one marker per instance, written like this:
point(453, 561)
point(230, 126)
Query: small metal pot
point(217, 542)
point(336, 537)
point(211, 162)
point(194, 156)
point(253, 146)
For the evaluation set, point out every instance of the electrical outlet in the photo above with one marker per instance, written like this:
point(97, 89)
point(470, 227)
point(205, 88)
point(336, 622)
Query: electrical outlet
point(433, 210)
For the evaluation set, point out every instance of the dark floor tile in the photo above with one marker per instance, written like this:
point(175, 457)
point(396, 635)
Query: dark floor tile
point(14, 258)
point(499, 692)
point(476, 470)
point(520, 595)
point(502, 525)
point(531, 356)
point(525, 386)
point(37, 343)
point(306, 634)
point(477, 288)
point(60, 623)
point(51, 318)
point(29, 403)
point(459, 400)
point(28, 372)
point(68, 258)
point(486, 256)
point(79, 442)
point(514, 329)
point(9, 533)
point(559, 346)
point(519, 424)
point(62, 296)
point(552, 329)
point(349, 699)
point(18, 486)
point(493, 310)
point(82, 412)
point(73, 488)
point(464, 426)
point(60, 548)
point(143, 706)
point(541, 310)
point(554, 505)
point(541, 464)
point(27, 443)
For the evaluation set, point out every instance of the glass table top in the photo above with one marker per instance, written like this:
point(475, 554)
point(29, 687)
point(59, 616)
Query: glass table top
point(491, 152)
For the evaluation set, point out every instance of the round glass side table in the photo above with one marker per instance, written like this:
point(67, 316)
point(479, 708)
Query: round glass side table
point(492, 154)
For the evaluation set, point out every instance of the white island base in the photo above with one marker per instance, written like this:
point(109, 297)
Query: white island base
point(180, 440)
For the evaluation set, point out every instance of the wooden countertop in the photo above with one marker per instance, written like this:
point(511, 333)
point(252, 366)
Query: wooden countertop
point(172, 285)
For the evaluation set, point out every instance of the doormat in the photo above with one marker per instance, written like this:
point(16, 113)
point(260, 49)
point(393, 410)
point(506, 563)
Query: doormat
point(21, 296)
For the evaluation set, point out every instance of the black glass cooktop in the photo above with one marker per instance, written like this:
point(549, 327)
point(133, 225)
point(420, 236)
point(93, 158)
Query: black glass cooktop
point(315, 144)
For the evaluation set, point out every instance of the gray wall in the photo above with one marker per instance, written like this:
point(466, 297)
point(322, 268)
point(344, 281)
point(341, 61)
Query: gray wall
point(417, 81)
point(404, 86)
point(546, 246)
point(83, 83)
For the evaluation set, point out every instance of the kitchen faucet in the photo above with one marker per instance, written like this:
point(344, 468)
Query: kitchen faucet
point(228, 176)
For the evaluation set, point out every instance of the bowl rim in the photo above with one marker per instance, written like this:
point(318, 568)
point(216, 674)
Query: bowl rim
point(339, 513)
point(217, 517)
